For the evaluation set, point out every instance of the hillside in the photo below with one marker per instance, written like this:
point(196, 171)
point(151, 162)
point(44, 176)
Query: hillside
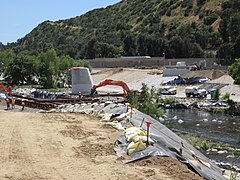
point(180, 28)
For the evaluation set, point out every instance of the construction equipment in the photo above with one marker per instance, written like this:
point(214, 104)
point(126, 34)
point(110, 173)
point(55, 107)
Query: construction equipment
point(111, 82)
point(6, 89)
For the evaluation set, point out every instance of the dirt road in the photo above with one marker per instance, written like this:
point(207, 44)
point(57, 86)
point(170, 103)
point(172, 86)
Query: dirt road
point(71, 146)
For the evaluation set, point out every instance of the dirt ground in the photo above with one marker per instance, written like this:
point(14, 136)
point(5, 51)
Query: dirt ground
point(211, 74)
point(153, 77)
point(71, 146)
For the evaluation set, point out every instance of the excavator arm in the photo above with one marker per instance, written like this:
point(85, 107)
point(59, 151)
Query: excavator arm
point(6, 89)
point(114, 83)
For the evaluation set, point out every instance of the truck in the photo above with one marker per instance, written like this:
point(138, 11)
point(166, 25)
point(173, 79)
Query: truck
point(194, 91)
point(168, 90)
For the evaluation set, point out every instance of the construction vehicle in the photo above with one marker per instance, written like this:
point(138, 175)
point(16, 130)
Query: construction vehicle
point(6, 89)
point(111, 82)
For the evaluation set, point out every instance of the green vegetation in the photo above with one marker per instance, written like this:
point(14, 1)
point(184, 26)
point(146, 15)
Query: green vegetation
point(46, 69)
point(219, 110)
point(147, 102)
point(229, 31)
point(226, 96)
point(217, 94)
point(169, 100)
point(202, 142)
point(236, 155)
point(234, 71)
point(178, 29)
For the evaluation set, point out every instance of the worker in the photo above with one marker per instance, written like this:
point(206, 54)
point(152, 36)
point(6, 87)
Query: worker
point(13, 103)
point(23, 105)
point(80, 95)
point(93, 90)
point(8, 103)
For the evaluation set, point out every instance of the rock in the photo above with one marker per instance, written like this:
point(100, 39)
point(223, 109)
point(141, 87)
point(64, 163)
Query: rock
point(234, 123)
point(236, 168)
point(197, 147)
point(161, 119)
point(167, 106)
point(222, 152)
point(230, 149)
point(230, 156)
point(214, 150)
point(174, 118)
point(164, 116)
point(197, 124)
point(205, 120)
point(225, 165)
point(180, 121)
point(214, 120)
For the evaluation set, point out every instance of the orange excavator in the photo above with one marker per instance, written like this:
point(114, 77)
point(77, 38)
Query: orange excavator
point(111, 82)
point(6, 89)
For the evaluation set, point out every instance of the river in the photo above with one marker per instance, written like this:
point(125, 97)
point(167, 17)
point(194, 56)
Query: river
point(218, 127)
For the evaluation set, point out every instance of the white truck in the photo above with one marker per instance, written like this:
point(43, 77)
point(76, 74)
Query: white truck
point(194, 91)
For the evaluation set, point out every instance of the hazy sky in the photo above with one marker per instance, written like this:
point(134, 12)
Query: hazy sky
point(19, 17)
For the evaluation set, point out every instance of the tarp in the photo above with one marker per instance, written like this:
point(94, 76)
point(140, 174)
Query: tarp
point(166, 143)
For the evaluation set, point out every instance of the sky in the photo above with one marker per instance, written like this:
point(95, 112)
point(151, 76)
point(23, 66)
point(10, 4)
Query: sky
point(19, 17)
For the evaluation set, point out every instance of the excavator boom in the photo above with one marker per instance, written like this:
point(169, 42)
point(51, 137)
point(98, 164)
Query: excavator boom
point(114, 83)
point(6, 89)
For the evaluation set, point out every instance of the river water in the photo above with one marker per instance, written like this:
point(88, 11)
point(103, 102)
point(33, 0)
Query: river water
point(218, 127)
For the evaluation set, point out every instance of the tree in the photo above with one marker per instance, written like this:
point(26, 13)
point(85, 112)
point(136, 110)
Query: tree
point(129, 45)
point(176, 45)
point(196, 51)
point(234, 71)
point(225, 52)
point(21, 70)
point(5, 58)
point(90, 49)
point(48, 64)
point(107, 50)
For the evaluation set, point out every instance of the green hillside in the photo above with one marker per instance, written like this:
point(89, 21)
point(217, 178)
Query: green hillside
point(180, 28)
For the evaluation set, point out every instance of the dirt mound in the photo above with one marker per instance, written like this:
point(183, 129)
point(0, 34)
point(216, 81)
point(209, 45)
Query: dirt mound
point(92, 150)
point(211, 74)
point(224, 79)
point(76, 132)
point(173, 168)
point(108, 71)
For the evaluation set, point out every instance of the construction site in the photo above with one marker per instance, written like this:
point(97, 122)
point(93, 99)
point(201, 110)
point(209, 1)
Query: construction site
point(91, 131)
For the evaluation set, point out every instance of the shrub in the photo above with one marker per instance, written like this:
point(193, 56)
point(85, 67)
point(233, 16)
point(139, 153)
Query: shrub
point(226, 96)
point(219, 110)
point(147, 102)
point(208, 20)
point(218, 93)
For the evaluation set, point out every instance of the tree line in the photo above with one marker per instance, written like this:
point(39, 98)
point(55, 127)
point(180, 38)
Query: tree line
point(46, 69)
